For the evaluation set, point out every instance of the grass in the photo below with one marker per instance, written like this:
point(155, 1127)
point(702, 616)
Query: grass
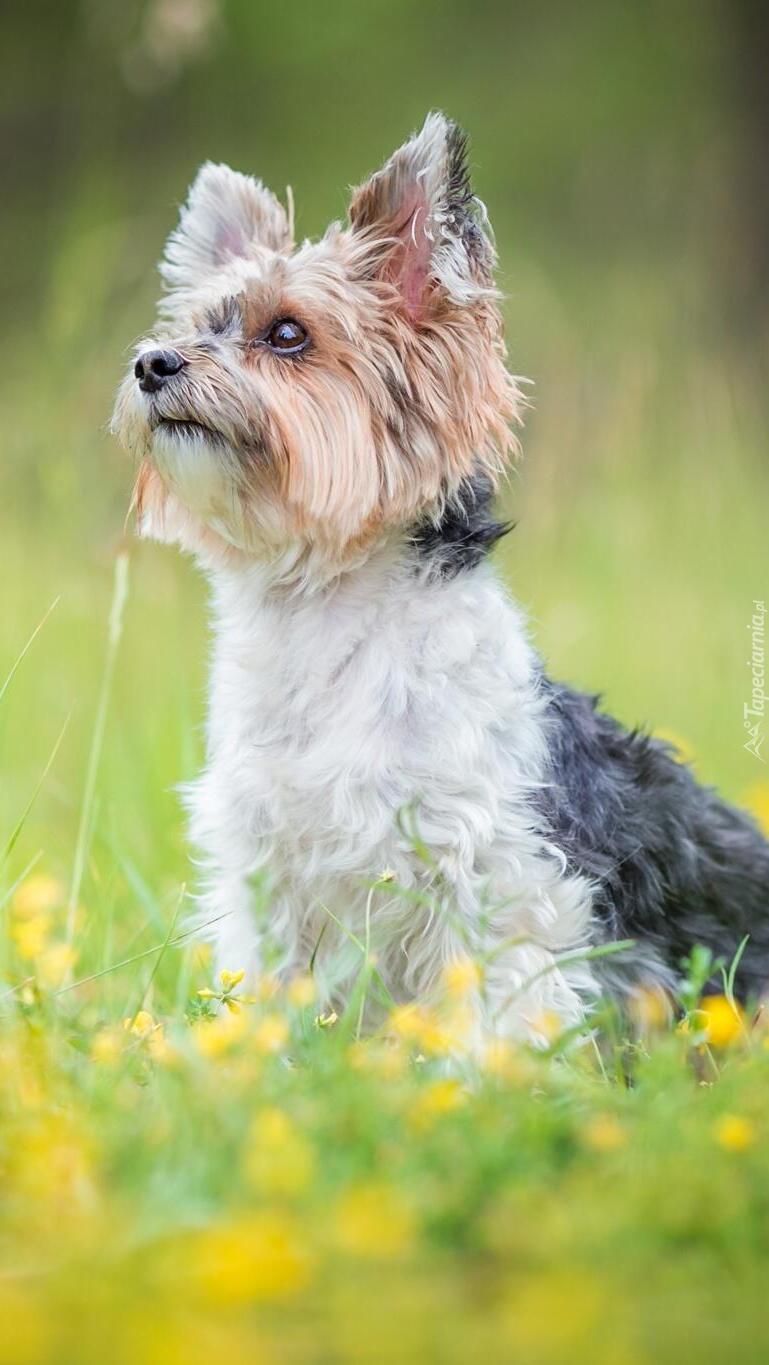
point(262, 1185)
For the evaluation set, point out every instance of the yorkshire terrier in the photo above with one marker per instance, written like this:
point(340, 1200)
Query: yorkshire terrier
point(324, 427)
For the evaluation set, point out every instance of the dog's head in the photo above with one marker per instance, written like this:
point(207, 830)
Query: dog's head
point(323, 396)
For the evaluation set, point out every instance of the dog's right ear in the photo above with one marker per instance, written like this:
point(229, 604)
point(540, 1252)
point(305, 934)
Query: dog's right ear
point(225, 216)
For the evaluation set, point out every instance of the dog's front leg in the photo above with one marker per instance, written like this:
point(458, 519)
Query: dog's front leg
point(529, 997)
point(229, 919)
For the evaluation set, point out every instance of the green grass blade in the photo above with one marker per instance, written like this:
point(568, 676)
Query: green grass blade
point(18, 827)
point(114, 632)
point(27, 648)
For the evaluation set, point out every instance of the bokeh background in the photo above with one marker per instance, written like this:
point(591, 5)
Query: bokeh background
point(621, 151)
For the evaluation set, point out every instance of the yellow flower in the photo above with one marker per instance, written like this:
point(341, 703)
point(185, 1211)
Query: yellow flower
point(720, 1019)
point(436, 1098)
point(54, 1165)
point(649, 1008)
point(226, 992)
point(733, 1133)
point(300, 992)
point(418, 1026)
point(215, 1037)
point(756, 798)
point(38, 895)
point(159, 1048)
point(548, 1025)
point(266, 986)
point(107, 1046)
point(604, 1133)
point(263, 1257)
point(278, 1158)
point(54, 965)
point(461, 977)
point(506, 1062)
point(271, 1033)
point(30, 936)
point(373, 1220)
point(405, 1022)
point(140, 1024)
point(149, 1033)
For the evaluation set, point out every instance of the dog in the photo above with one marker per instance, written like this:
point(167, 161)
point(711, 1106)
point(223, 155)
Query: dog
point(389, 769)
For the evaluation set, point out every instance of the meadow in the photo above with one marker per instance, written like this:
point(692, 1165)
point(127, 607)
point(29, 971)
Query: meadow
point(192, 1171)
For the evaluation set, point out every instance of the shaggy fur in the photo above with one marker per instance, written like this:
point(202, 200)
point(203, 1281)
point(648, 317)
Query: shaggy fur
point(386, 761)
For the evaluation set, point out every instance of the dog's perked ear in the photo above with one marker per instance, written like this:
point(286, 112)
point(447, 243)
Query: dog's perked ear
point(226, 215)
point(425, 225)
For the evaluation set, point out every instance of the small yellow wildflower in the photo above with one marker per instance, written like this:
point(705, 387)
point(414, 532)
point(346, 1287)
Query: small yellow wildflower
point(326, 1020)
point(278, 1158)
point(271, 1033)
point(159, 1048)
point(548, 1025)
point(373, 1220)
point(260, 1258)
point(649, 1008)
point(149, 1033)
point(30, 936)
point(424, 1028)
point(54, 964)
point(406, 1023)
point(435, 1099)
point(54, 1165)
point(140, 1024)
point(462, 977)
point(300, 991)
point(720, 1019)
point(506, 1062)
point(38, 895)
point(386, 876)
point(266, 986)
point(215, 1037)
point(604, 1133)
point(733, 1133)
point(226, 992)
point(107, 1046)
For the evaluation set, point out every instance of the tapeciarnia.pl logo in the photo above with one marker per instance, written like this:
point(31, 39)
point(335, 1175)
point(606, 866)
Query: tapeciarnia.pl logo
point(754, 712)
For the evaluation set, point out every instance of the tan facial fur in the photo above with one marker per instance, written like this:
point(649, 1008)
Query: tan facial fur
point(399, 396)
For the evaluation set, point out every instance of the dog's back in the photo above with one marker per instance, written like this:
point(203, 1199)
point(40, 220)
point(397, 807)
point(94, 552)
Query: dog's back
point(673, 863)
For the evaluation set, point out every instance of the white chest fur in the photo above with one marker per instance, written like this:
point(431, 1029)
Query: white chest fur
point(390, 722)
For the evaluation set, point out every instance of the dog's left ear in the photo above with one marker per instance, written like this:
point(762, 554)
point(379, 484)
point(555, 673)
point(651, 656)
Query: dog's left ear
point(226, 215)
point(423, 221)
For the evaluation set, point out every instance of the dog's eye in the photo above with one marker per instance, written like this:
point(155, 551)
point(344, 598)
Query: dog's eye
point(286, 337)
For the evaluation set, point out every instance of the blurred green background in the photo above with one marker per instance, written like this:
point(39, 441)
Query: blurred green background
point(620, 149)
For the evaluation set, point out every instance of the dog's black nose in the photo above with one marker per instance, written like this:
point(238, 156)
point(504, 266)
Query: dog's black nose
point(154, 367)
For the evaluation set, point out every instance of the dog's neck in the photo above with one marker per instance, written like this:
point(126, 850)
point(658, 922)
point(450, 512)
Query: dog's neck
point(445, 543)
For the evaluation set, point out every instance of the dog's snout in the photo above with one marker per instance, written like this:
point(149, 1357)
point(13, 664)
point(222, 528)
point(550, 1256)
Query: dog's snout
point(153, 368)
